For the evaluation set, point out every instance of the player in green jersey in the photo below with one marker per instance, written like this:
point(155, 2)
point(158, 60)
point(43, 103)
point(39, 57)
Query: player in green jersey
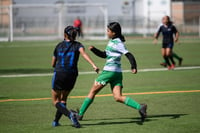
point(112, 72)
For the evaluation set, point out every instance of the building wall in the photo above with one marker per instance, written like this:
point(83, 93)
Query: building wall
point(186, 12)
point(4, 16)
point(178, 12)
point(191, 12)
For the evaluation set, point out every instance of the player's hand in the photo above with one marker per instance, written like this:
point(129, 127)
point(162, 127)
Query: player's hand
point(176, 40)
point(96, 69)
point(155, 41)
point(91, 47)
point(134, 71)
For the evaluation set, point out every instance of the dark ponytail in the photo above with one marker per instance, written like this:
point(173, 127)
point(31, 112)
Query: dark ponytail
point(169, 21)
point(116, 28)
point(71, 33)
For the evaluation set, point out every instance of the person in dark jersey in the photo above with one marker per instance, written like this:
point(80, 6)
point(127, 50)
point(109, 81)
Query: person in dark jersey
point(64, 61)
point(170, 35)
point(112, 72)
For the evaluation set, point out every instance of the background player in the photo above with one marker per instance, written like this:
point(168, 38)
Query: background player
point(64, 61)
point(112, 72)
point(78, 24)
point(168, 30)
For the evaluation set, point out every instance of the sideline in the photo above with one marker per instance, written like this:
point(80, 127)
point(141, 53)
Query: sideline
point(91, 72)
point(105, 95)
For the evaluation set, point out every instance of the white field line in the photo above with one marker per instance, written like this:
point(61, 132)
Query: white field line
point(91, 72)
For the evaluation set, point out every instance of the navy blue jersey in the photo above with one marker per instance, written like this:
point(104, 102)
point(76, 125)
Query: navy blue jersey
point(167, 32)
point(67, 55)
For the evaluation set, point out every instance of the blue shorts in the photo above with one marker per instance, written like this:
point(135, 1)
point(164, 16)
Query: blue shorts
point(168, 45)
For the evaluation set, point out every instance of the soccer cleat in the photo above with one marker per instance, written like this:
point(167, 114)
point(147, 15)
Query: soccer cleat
point(163, 64)
point(172, 66)
point(79, 117)
point(55, 124)
point(180, 61)
point(143, 112)
point(74, 120)
point(169, 67)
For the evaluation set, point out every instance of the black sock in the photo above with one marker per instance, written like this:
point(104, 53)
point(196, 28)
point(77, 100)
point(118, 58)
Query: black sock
point(58, 114)
point(172, 60)
point(167, 60)
point(62, 109)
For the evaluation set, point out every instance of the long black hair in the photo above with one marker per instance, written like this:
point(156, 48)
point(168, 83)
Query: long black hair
point(169, 21)
point(116, 28)
point(71, 32)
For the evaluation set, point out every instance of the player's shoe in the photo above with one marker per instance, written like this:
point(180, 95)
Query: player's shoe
point(143, 112)
point(169, 67)
point(55, 124)
point(163, 64)
point(172, 66)
point(180, 61)
point(74, 120)
point(79, 117)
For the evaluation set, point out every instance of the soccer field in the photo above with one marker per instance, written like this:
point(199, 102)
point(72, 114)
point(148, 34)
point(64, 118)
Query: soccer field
point(173, 97)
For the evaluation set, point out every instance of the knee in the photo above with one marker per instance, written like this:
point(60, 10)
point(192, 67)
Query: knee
point(118, 99)
point(54, 102)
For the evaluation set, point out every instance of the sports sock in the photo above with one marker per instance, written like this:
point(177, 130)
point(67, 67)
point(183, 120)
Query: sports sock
point(130, 102)
point(61, 107)
point(176, 56)
point(172, 60)
point(167, 60)
point(58, 114)
point(85, 105)
point(164, 61)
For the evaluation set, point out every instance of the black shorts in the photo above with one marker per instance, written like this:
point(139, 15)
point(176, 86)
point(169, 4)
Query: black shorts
point(167, 45)
point(63, 81)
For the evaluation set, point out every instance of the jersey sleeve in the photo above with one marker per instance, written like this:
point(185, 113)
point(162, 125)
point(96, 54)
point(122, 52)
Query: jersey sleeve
point(80, 46)
point(174, 29)
point(122, 49)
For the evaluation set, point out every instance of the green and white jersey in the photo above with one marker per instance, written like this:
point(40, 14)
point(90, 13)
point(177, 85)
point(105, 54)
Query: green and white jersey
point(114, 51)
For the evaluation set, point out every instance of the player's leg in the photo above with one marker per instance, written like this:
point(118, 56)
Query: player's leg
point(180, 59)
point(63, 84)
point(169, 54)
point(56, 96)
point(89, 99)
point(165, 57)
point(117, 93)
point(63, 101)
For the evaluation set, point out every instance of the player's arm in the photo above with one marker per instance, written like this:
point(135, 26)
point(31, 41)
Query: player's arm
point(176, 34)
point(132, 61)
point(54, 58)
point(88, 59)
point(156, 35)
point(53, 61)
point(98, 52)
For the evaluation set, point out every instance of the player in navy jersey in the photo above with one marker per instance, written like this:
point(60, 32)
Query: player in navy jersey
point(170, 35)
point(64, 61)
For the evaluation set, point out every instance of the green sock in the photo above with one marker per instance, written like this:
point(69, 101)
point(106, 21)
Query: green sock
point(175, 56)
point(130, 102)
point(85, 105)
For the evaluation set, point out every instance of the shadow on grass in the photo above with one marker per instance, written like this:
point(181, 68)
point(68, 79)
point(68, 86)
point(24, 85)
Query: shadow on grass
point(25, 71)
point(136, 120)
